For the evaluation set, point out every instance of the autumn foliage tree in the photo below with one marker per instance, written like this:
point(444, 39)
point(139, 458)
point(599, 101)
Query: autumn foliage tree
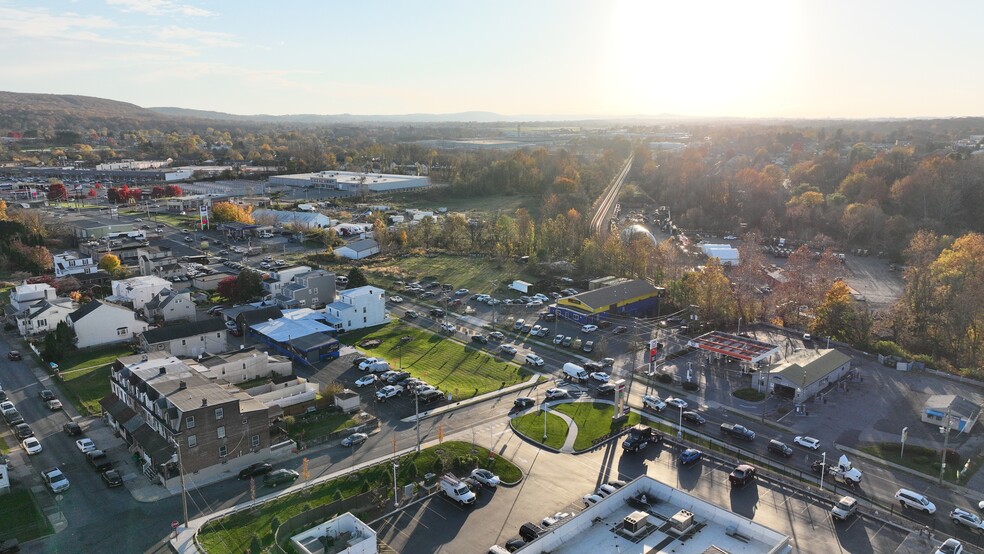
point(227, 212)
point(57, 191)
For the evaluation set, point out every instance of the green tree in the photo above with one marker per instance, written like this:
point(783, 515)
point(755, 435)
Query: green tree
point(356, 278)
point(249, 286)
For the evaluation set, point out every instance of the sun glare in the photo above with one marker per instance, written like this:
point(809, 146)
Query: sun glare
point(699, 58)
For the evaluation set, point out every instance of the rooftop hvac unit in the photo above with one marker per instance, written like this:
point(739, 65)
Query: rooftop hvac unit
point(635, 523)
point(682, 521)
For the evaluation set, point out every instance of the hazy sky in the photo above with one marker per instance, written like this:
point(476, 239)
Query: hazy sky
point(823, 58)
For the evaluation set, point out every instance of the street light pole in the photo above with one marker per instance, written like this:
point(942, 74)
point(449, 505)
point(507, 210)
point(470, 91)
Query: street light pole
point(416, 411)
point(946, 439)
point(823, 469)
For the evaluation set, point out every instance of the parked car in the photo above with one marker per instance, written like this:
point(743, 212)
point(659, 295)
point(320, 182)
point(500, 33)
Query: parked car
point(410, 314)
point(619, 330)
point(553, 519)
point(85, 445)
point(690, 456)
point(364, 364)
point(55, 480)
point(14, 355)
point(480, 339)
point(497, 336)
point(255, 470)
point(599, 376)
point(280, 477)
point(23, 431)
point(589, 328)
point(396, 299)
point(567, 341)
point(71, 429)
point(741, 475)
point(588, 346)
point(558, 339)
point(45, 395)
point(780, 448)
point(677, 403)
point(355, 439)
point(112, 478)
point(389, 391)
point(54, 404)
point(606, 389)
point(31, 445)
point(508, 349)
point(950, 546)
point(365, 380)
point(808, 442)
point(844, 508)
point(485, 477)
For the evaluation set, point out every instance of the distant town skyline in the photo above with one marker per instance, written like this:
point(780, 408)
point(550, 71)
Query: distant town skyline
point(793, 59)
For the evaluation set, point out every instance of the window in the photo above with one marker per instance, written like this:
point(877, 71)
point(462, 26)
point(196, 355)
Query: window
point(363, 309)
point(255, 441)
point(223, 451)
point(42, 322)
point(221, 432)
point(183, 343)
point(190, 422)
point(218, 335)
point(314, 290)
point(192, 441)
point(218, 414)
point(121, 331)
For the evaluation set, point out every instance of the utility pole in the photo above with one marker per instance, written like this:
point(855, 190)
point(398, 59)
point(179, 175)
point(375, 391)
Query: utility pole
point(416, 411)
point(946, 439)
point(823, 470)
point(181, 475)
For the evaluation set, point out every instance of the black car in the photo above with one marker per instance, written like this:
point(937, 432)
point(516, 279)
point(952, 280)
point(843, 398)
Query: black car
point(593, 366)
point(619, 330)
point(23, 431)
point(46, 395)
point(410, 315)
point(479, 339)
point(523, 402)
point(112, 478)
point(13, 417)
point(255, 470)
point(741, 475)
point(437, 312)
point(359, 360)
point(694, 417)
point(513, 545)
point(71, 429)
point(13, 355)
point(606, 388)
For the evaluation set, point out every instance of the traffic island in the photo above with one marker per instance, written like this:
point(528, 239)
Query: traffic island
point(530, 427)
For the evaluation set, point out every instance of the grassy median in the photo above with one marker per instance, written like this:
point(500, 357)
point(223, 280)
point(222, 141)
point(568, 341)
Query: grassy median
point(531, 426)
point(594, 420)
point(249, 529)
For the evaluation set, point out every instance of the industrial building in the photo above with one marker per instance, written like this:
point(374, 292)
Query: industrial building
point(630, 298)
point(350, 181)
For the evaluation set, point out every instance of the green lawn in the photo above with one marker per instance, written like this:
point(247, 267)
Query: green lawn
point(922, 459)
point(531, 426)
point(3, 445)
point(21, 517)
point(234, 534)
point(594, 420)
point(749, 394)
point(447, 364)
point(474, 274)
point(313, 426)
point(86, 376)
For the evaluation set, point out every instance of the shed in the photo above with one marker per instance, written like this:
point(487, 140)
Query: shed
point(964, 413)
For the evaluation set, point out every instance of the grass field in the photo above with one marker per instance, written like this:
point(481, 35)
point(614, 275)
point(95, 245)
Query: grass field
point(750, 395)
point(594, 420)
point(86, 376)
point(474, 274)
point(531, 426)
point(447, 364)
point(313, 427)
point(21, 517)
point(235, 534)
point(922, 459)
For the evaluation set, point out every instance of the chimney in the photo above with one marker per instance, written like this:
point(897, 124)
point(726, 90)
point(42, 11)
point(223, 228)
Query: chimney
point(182, 385)
point(204, 402)
point(162, 371)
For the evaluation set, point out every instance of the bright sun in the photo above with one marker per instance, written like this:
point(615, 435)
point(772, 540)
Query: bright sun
point(699, 58)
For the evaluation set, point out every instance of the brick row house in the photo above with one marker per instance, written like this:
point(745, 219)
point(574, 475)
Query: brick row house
point(158, 403)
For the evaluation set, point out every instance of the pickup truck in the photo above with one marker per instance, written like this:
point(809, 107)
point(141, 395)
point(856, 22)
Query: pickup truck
point(641, 437)
point(457, 490)
point(739, 431)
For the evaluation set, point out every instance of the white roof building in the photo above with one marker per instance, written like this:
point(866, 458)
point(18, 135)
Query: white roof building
point(138, 290)
point(358, 249)
point(723, 252)
point(353, 181)
point(304, 219)
point(648, 516)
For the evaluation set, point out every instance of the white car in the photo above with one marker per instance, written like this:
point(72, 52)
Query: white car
point(534, 303)
point(950, 546)
point(677, 403)
point(482, 298)
point(485, 477)
point(550, 520)
point(364, 365)
point(555, 394)
point(231, 325)
point(365, 381)
point(85, 445)
point(508, 349)
point(599, 376)
point(730, 237)
point(55, 480)
point(653, 403)
point(590, 499)
point(963, 517)
point(396, 299)
point(559, 339)
point(535, 331)
point(589, 328)
point(31, 445)
point(808, 442)
point(389, 391)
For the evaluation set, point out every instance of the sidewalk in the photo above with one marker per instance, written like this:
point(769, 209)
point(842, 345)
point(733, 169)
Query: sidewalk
point(531, 382)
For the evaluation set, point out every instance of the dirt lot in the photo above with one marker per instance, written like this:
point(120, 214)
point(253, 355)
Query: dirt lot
point(870, 276)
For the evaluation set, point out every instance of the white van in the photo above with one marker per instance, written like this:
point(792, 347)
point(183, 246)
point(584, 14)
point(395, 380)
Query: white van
point(575, 372)
point(341, 280)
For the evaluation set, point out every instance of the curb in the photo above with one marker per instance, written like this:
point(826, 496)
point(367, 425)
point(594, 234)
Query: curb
point(531, 441)
point(531, 382)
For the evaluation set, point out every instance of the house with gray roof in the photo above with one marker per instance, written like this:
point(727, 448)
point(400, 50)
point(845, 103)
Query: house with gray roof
point(169, 305)
point(99, 323)
point(313, 289)
point(188, 339)
point(358, 249)
point(807, 372)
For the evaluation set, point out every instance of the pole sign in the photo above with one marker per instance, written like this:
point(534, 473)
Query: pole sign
point(203, 213)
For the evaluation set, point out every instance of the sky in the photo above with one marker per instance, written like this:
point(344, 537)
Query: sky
point(813, 59)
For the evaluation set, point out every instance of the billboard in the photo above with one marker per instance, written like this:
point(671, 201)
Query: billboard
point(203, 213)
